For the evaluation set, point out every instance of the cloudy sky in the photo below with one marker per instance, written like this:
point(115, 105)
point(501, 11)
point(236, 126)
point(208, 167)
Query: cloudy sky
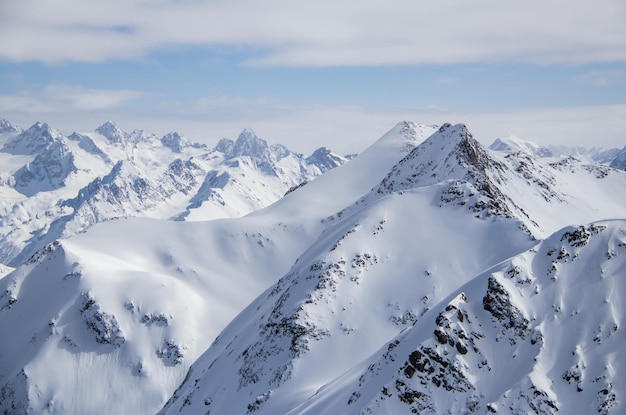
point(311, 73)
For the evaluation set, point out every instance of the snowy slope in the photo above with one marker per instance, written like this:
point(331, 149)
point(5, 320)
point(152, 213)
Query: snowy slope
point(539, 333)
point(328, 300)
point(135, 302)
point(54, 186)
point(444, 213)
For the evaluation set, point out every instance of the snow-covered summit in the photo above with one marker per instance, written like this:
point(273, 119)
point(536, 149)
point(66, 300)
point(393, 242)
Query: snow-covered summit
point(32, 141)
point(325, 159)
point(514, 144)
point(177, 142)
point(7, 127)
point(112, 132)
point(47, 171)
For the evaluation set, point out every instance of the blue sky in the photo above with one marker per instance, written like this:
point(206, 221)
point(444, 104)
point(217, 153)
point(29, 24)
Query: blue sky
point(329, 73)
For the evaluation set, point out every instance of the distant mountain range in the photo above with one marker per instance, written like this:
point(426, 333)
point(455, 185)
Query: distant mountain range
point(54, 186)
point(429, 274)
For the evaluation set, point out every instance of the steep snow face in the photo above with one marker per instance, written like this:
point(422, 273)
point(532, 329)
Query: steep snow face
point(369, 276)
point(48, 171)
point(540, 333)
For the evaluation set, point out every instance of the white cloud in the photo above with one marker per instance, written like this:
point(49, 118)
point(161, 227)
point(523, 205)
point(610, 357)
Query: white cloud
point(57, 98)
point(321, 33)
point(603, 78)
point(80, 98)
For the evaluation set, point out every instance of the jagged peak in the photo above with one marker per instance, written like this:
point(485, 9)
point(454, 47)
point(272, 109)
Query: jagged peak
point(249, 144)
point(175, 141)
point(41, 128)
point(450, 153)
point(34, 140)
point(174, 135)
point(111, 131)
point(226, 146)
point(7, 127)
point(247, 134)
point(325, 159)
point(321, 152)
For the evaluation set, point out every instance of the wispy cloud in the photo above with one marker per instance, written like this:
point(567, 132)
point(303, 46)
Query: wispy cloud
point(322, 33)
point(602, 78)
point(57, 98)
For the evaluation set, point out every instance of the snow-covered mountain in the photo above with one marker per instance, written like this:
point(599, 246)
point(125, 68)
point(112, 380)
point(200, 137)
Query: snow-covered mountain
point(386, 265)
point(427, 275)
point(589, 154)
point(137, 301)
point(55, 186)
point(539, 333)
point(619, 161)
point(513, 144)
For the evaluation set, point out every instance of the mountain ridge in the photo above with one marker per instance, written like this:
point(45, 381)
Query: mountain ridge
point(427, 274)
point(47, 172)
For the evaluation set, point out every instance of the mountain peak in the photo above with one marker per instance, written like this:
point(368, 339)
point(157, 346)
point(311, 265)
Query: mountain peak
point(175, 141)
point(7, 127)
point(249, 144)
point(325, 159)
point(515, 144)
point(112, 132)
point(34, 140)
point(469, 175)
point(451, 153)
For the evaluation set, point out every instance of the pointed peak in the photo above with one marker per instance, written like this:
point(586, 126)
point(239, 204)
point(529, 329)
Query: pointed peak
point(322, 151)
point(36, 139)
point(7, 127)
point(38, 126)
point(111, 131)
point(175, 141)
point(108, 125)
point(451, 153)
point(249, 144)
point(226, 146)
point(173, 135)
point(325, 159)
point(247, 134)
